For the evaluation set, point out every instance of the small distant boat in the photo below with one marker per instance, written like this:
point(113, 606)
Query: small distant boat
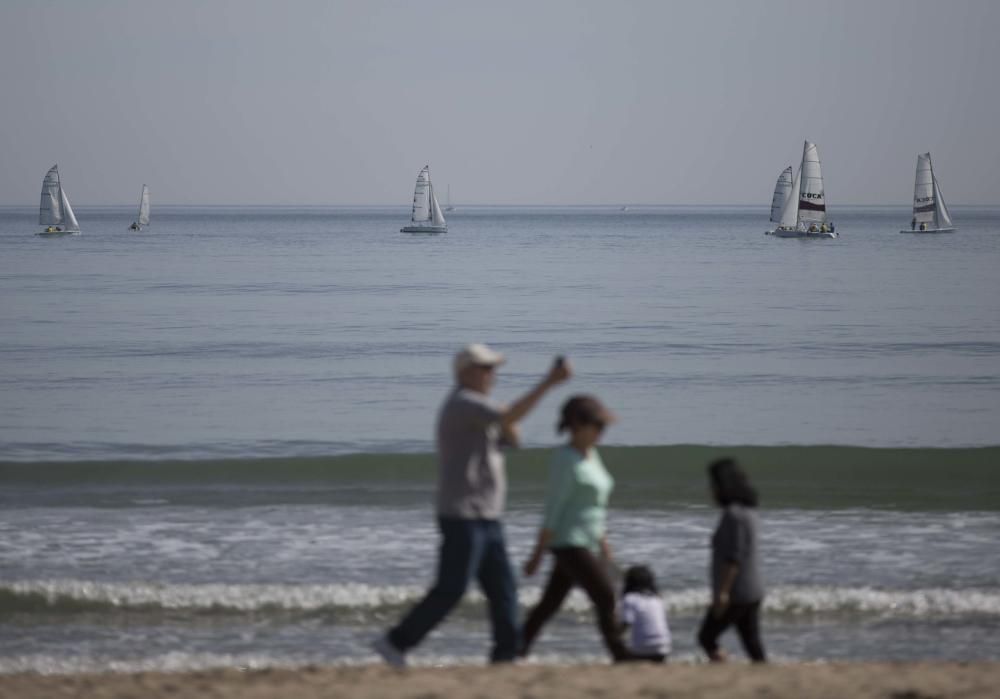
point(623, 209)
point(447, 204)
point(930, 215)
point(426, 216)
point(54, 211)
point(143, 217)
point(803, 212)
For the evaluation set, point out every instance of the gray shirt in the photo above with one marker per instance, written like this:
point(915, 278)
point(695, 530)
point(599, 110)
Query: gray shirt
point(735, 541)
point(472, 477)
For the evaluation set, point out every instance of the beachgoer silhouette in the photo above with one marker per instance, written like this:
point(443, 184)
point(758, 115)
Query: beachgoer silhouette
point(573, 529)
point(737, 590)
point(472, 488)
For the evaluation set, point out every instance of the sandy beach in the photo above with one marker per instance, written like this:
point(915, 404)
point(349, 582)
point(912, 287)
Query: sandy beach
point(817, 681)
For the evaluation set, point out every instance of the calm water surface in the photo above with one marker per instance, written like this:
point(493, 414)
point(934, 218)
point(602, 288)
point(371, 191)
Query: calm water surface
point(250, 332)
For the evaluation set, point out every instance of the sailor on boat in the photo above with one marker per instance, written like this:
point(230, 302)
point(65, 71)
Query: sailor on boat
point(134, 227)
point(53, 229)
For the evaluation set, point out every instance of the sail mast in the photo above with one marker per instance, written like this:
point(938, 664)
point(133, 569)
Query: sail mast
point(437, 218)
point(790, 211)
point(781, 189)
point(924, 207)
point(812, 197)
point(69, 218)
point(942, 218)
point(143, 217)
point(421, 202)
point(50, 206)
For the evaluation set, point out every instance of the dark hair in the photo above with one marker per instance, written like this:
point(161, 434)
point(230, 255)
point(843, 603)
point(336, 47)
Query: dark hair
point(582, 410)
point(640, 579)
point(731, 484)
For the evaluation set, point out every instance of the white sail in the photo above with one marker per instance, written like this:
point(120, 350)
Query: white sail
point(143, 219)
point(812, 197)
point(421, 199)
point(437, 218)
point(781, 190)
point(50, 210)
point(924, 207)
point(940, 210)
point(790, 211)
point(69, 219)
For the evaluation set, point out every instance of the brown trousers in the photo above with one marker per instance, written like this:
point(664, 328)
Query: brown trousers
point(578, 566)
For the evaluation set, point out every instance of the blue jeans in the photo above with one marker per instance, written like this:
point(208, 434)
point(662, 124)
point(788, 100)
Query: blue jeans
point(469, 548)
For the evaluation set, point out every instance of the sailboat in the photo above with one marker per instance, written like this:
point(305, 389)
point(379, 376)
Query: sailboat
point(426, 216)
point(54, 211)
point(803, 214)
point(447, 204)
point(143, 218)
point(930, 215)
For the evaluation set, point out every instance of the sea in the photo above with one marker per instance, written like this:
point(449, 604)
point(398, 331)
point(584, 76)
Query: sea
point(216, 435)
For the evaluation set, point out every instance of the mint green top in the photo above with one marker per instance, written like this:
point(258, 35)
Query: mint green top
point(577, 498)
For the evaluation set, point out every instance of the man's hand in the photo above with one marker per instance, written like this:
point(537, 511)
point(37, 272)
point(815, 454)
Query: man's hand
point(560, 372)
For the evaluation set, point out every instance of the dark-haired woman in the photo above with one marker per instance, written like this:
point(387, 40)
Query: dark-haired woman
point(573, 529)
point(737, 590)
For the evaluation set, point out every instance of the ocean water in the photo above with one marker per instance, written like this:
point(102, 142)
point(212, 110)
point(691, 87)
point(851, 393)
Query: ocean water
point(215, 434)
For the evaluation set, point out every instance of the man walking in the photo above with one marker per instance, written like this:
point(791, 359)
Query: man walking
point(472, 489)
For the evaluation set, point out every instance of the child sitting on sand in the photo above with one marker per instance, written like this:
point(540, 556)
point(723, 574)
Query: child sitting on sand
point(644, 615)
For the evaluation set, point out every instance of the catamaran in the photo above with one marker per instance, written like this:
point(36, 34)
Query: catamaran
point(143, 218)
point(930, 215)
point(803, 213)
point(54, 211)
point(426, 216)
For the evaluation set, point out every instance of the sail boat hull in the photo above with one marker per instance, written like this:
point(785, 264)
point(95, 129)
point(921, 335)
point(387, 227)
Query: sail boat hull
point(56, 234)
point(424, 229)
point(929, 230)
point(783, 233)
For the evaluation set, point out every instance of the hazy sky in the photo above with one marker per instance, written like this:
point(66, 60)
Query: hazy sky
point(328, 103)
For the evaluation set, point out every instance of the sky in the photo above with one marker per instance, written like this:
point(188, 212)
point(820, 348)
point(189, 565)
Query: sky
point(544, 102)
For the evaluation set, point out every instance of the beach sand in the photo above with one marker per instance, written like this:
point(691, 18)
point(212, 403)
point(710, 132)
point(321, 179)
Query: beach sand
point(813, 681)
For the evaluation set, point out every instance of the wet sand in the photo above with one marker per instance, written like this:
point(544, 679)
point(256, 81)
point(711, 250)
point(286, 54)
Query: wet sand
point(798, 680)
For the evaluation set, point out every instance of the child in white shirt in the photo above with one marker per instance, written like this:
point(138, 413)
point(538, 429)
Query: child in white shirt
point(644, 616)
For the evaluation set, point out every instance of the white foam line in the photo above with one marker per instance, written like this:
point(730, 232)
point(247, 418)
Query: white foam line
point(363, 597)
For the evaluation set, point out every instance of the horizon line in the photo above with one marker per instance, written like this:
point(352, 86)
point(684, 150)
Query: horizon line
point(613, 205)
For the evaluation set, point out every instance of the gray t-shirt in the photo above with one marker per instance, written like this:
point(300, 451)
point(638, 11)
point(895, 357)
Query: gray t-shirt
point(735, 541)
point(472, 477)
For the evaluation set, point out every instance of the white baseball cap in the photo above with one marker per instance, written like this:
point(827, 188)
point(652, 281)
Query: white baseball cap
point(477, 354)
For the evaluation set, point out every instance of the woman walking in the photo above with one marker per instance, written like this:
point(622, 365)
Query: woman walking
point(574, 526)
point(737, 590)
